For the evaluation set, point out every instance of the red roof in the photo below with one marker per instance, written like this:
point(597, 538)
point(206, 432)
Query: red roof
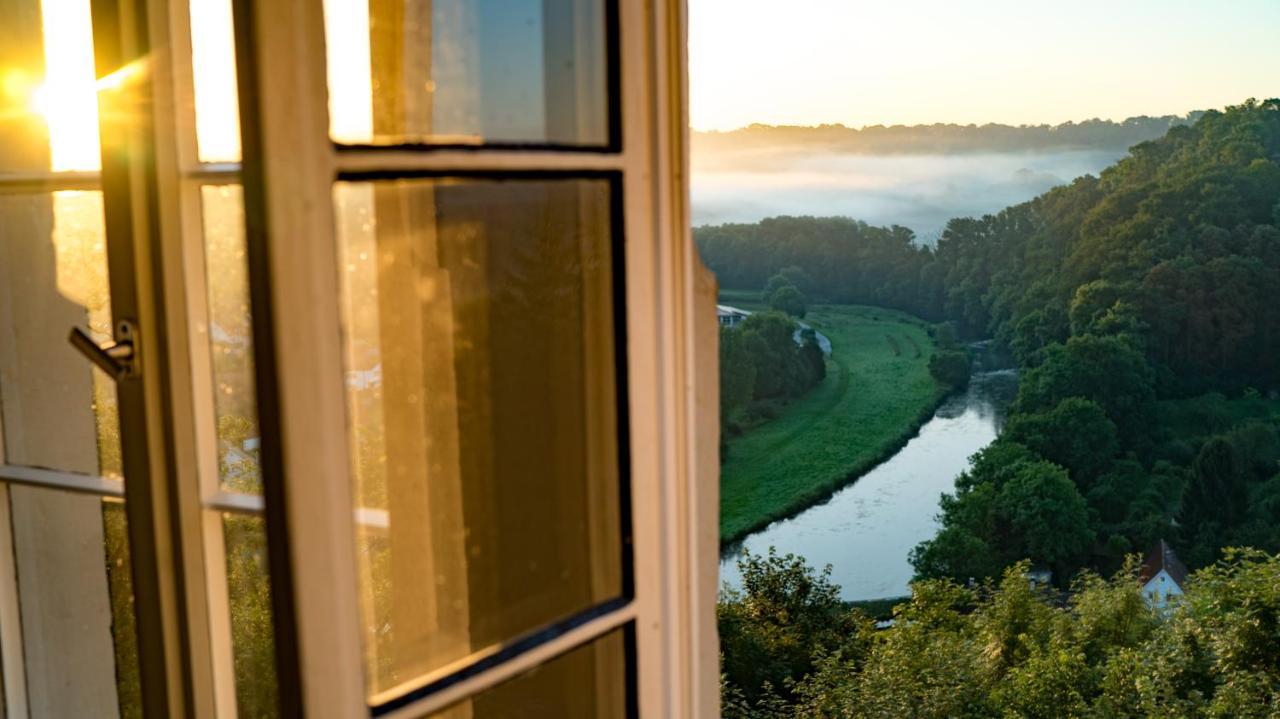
point(1162, 557)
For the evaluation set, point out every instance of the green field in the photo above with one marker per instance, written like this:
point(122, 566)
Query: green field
point(871, 402)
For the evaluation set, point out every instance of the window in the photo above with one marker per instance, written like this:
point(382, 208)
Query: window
point(67, 635)
point(387, 410)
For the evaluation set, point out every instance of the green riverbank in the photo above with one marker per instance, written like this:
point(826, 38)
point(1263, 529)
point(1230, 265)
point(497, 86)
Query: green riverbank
point(876, 395)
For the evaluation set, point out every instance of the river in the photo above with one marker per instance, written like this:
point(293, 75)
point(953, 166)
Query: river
point(866, 530)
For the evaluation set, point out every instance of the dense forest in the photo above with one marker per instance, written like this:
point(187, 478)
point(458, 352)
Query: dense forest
point(1137, 307)
point(944, 138)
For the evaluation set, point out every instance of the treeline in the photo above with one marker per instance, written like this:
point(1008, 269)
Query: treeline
point(944, 138)
point(1009, 648)
point(763, 366)
point(845, 261)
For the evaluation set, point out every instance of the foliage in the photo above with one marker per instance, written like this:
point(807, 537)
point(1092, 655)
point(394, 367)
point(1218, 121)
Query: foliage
point(789, 300)
point(1076, 434)
point(951, 368)
point(1005, 511)
point(770, 631)
point(785, 292)
point(842, 261)
point(1012, 648)
point(761, 362)
point(1135, 303)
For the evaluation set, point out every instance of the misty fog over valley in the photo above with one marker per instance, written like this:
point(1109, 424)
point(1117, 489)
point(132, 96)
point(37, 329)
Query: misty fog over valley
point(918, 191)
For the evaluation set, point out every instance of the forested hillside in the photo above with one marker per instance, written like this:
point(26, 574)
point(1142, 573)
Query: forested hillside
point(1139, 307)
point(943, 137)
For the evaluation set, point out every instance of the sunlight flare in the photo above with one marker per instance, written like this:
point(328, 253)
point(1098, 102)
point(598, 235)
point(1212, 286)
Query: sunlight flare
point(67, 99)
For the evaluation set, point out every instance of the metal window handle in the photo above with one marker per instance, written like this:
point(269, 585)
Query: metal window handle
point(117, 359)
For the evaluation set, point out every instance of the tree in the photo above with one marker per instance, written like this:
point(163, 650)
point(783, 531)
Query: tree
point(783, 619)
point(951, 368)
point(1218, 490)
point(1106, 370)
point(1041, 516)
point(1076, 434)
point(790, 300)
point(737, 373)
point(798, 278)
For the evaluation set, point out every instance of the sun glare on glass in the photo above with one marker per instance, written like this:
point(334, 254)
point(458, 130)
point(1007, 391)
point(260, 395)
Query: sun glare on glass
point(67, 99)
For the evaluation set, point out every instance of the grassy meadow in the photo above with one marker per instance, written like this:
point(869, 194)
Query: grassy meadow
point(876, 394)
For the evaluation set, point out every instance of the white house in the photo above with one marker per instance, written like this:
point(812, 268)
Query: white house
point(730, 316)
point(1162, 575)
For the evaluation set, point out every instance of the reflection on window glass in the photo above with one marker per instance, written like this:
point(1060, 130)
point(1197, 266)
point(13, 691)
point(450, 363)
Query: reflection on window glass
point(482, 402)
point(48, 102)
point(252, 632)
point(71, 559)
point(213, 63)
point(230, 335)
point(115, 528)
point(56, 409)
point(467, 71)
point(586, 683)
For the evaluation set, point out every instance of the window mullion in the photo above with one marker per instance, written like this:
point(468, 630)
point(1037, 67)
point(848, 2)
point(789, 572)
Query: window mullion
point(400, 159)
point(293, 279)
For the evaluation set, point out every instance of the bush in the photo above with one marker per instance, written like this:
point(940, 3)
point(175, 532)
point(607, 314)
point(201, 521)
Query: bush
point(951, 368)
point(790, 300)
point(1006, 648)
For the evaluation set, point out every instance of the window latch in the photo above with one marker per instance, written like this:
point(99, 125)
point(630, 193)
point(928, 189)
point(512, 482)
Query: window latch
point(118, 359)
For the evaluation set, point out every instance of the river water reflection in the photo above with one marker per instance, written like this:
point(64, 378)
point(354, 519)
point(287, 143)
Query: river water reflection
point(866, 530)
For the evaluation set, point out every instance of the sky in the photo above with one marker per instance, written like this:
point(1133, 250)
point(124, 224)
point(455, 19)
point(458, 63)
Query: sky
point(868, 62)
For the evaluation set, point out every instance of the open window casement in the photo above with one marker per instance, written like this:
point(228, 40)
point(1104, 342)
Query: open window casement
point(413, 356)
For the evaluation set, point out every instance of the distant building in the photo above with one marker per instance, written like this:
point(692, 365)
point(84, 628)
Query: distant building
point(1162, 575)
point(730, 316)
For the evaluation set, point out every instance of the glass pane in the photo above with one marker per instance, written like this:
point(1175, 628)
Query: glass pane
point(467, 71)
point(482, 400)
point(56, 409)
point(213, 65)
point(252, 629)
point(589, 682)
point(71, 561)
point(48, 102)
point(230, 335)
